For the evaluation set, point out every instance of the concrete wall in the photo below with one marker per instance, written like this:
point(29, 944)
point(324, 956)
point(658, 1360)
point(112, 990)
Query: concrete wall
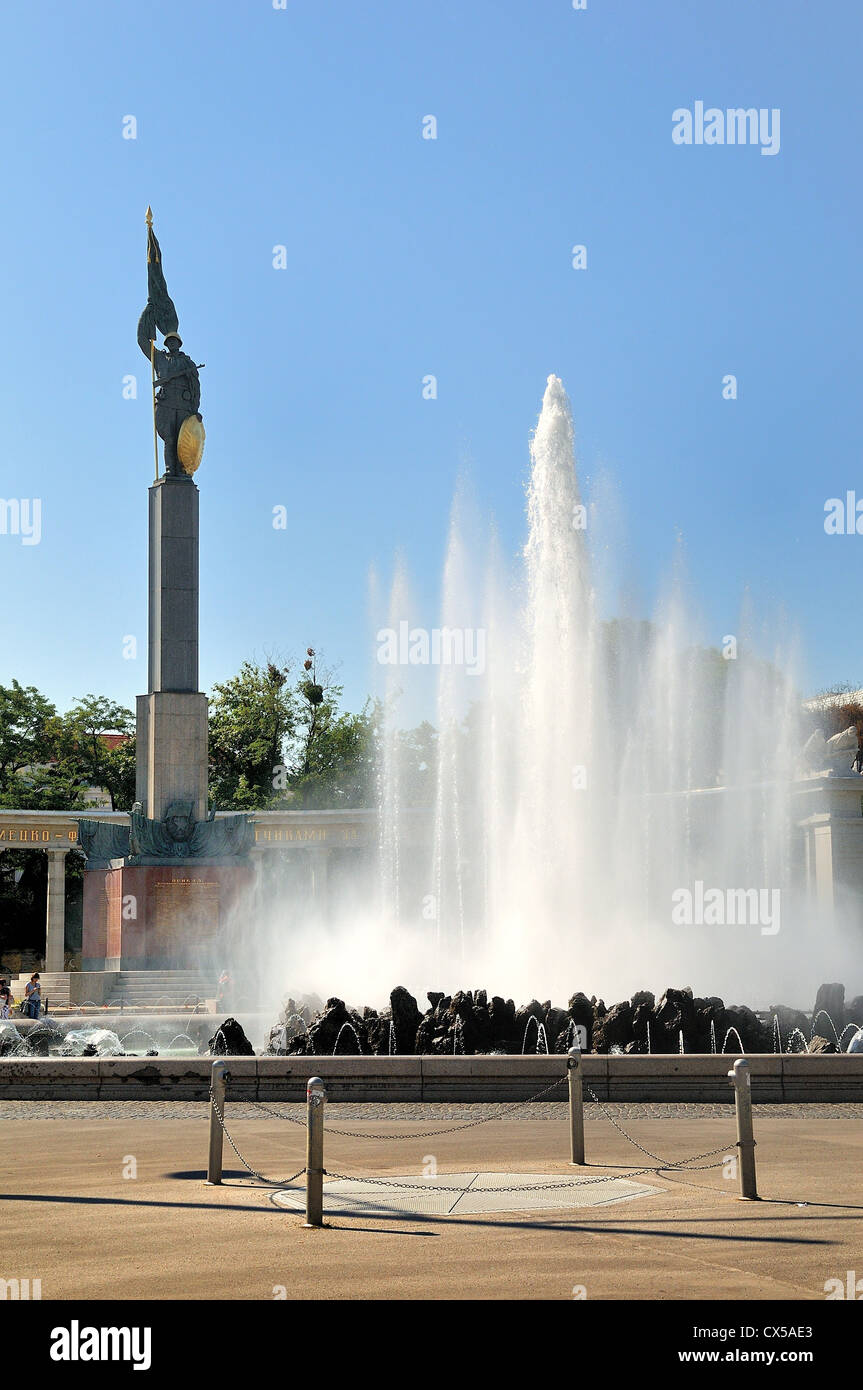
point(457, 1079)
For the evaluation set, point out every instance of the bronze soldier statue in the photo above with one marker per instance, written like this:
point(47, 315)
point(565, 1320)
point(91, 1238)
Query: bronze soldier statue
point(175, 376)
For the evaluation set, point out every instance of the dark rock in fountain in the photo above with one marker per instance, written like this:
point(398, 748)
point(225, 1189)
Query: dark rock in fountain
point(830, 998)
point(532, 1010)
point(501, 1017)
point(468, 1022)
point(325, 1028)
point(675, 1013)
point(378, 1031)
point(230, 1040)
point(425, 1035)
point(789, 1019)
point(89, 1050)
point(581, 1013)
point(324, 1032)
point(642, 1004)
point(755, 1035)
point(557, 1029)
point(406, 1019)
point(614, 1028)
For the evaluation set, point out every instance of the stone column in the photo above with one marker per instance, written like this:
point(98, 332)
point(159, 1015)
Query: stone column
point(55, 915)
point(257, 856)
point(319, 862)
point(172, 716)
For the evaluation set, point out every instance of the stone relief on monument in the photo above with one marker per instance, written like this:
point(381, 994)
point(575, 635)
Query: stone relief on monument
point(178, 836)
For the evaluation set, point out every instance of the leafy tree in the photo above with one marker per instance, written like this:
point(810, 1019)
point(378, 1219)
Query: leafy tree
point(28, 726)
point(252, 717)
point(86, 755)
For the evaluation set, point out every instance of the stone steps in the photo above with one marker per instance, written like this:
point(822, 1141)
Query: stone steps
point(55, 987)
point(143, 988)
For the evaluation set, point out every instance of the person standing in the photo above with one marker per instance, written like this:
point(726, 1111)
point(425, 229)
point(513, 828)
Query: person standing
point(33, 991)
point(5, 999)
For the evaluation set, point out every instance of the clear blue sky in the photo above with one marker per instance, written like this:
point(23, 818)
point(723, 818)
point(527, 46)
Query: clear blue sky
point(302, 127)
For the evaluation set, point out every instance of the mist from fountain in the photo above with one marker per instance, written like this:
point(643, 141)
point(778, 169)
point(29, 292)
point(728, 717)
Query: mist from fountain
point(590, 772)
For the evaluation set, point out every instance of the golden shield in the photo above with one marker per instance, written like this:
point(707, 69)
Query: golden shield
point(190, 444)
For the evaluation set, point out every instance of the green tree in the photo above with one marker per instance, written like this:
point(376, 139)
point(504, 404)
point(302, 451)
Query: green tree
point(88, 757)
point(251, 720)
point(28, 729)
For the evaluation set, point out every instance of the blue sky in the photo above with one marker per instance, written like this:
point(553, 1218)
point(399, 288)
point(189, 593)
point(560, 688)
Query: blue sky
point(302, 127)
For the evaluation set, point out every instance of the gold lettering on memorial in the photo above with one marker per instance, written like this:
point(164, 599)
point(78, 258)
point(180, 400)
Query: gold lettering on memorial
point(186, 910)
point(34, 835)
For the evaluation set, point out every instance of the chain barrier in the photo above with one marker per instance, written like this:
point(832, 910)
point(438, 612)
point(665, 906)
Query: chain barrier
point(663, 1165)
point(270, 1182)
point(521, 1187)
point(424, 1134)
point(659, 1164)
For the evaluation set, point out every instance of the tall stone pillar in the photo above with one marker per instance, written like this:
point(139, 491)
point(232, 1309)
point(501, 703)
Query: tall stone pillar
point(172, 716)
point(319, 863)
point(55, 914)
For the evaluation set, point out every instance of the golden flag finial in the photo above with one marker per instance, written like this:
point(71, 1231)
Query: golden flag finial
point(149, 218)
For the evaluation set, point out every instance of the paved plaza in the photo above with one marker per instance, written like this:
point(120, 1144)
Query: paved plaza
point(113, 1203)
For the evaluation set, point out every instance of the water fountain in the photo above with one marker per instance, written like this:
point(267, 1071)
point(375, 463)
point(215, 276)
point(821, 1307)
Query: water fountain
point(540, 1035)
point(822, 1013)
point(587, 787)
point(596, 778)
point(348, 1028)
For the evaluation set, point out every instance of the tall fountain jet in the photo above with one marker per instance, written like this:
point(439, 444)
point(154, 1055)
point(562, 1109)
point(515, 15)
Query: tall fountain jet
point(598, 767)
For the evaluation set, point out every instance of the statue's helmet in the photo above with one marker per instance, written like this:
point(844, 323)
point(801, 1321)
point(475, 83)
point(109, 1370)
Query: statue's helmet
point(174, 335)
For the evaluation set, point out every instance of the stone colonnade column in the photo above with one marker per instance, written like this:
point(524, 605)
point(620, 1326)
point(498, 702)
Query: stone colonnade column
point(55, 916)
point(319, 875)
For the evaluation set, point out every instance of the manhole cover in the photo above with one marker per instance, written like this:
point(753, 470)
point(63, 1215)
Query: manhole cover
point(464, 1193)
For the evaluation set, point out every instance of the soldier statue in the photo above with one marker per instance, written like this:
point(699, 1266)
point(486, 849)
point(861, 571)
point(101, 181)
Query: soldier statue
point(176, 401)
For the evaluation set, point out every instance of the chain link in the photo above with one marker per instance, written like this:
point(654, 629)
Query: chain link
point(424, 1134)
point(663, 1166)
point(533, 1187)
point(270, 1182)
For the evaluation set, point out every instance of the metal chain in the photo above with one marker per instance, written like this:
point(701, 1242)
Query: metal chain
point(683, 1165)
point(424, 1134)
point(658, 1159)
point(534, 1187)
point(270, 1182)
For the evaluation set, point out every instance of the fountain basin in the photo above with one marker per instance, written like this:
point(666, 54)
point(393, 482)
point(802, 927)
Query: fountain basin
point(692, 1077)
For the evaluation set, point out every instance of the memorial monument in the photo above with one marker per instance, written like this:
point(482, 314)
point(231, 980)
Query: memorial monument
point(158, 890)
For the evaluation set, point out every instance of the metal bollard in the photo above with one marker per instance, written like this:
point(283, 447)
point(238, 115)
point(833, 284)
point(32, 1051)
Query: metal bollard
point(742, 1080)
point(315, 1097)
point(576, 1107)
point(220, 1077)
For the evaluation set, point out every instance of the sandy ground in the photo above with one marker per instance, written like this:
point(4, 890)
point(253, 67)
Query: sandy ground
point(92, 1232)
